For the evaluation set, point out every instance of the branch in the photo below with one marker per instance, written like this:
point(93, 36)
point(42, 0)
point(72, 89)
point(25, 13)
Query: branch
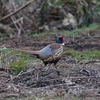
point(11, 14)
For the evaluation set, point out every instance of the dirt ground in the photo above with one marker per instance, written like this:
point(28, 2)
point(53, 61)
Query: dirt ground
point(78, 78)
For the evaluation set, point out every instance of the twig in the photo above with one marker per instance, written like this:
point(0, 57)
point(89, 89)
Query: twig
point(4, 69)
point(12, 17)
point(13, 13)
point(11, 95)
point(21, 20)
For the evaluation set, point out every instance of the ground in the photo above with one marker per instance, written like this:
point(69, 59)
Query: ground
point(71, 77)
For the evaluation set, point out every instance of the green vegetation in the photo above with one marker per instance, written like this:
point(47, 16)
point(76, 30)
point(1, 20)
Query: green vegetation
point(90, 27)
point(83, 55)
point(39, 34)
point(65, 97)
point(17, 66)
point(62, 32)
point(15, 60)
point(48, 3)
point(83, 8)
point(2, 37)
point(70, 33)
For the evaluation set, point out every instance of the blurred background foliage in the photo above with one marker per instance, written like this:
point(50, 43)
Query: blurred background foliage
point(46, 15)
point(88, 10)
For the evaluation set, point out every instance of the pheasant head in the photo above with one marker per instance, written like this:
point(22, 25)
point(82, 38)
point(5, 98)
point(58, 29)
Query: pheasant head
point(60, 40)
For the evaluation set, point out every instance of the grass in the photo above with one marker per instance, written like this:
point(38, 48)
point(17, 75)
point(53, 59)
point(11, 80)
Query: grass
point(83, 55)
point(65, 97)
point(70, 33)
point(2, 38)
point(15, 60)
point(61, 32)
point(90, 27)
point(39, 34)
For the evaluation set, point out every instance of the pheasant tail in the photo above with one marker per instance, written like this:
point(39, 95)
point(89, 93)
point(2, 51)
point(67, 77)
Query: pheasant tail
point(29, 52)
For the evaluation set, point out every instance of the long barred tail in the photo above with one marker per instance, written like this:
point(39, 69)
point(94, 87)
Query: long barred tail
point(28, 51)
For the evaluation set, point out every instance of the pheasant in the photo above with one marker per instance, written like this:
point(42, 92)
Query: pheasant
point(49, 54)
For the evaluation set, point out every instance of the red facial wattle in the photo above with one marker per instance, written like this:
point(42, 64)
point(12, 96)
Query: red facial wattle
point(62, 38)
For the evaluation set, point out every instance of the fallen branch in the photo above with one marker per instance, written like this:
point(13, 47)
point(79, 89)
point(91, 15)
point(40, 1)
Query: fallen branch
point(13, 13)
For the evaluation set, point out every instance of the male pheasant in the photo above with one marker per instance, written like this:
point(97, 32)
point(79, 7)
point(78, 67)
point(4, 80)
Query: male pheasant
point(49, 54)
